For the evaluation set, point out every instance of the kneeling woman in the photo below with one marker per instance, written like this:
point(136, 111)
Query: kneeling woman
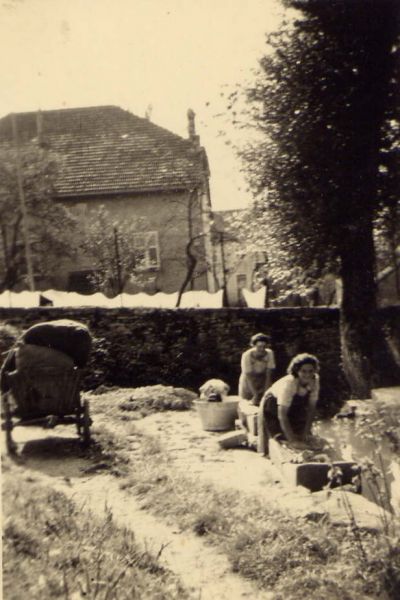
point(288, 406)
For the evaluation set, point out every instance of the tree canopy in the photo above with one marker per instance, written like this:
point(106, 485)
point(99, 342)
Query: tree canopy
point(116, 258)
point(50, 225)
point(324, 104)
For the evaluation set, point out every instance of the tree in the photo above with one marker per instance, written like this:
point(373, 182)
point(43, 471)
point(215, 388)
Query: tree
point(50, 225)
point(262, 230)
point(116, 249)
point(321, 103)
point(195, 256)
point(231, 237)
point(387, 221)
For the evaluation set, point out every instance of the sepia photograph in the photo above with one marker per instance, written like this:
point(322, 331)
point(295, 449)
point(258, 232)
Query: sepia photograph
point(200, 299)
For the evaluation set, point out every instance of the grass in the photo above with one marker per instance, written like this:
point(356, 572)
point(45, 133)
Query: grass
point(108, 452)
point(294, 557)
point(53, 549)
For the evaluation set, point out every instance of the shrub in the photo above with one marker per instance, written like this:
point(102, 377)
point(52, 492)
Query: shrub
point(8, 336)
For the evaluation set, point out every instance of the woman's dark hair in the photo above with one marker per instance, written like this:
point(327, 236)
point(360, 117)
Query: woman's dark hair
point(302, 359)
point(259, 337)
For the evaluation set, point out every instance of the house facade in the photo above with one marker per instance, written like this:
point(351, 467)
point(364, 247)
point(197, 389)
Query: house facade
point(233, 270)
point(136, 170)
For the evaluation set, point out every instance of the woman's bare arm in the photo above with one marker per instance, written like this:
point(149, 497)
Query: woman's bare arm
point(285, 423)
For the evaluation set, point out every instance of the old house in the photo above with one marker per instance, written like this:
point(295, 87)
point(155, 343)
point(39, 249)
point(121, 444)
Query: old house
point(135, 169)
point(234, 271)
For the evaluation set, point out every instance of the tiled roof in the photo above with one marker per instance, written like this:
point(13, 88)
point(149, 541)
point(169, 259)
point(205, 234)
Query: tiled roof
point(109, 150)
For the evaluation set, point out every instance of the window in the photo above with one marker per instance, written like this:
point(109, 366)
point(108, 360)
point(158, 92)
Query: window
point(148, 249)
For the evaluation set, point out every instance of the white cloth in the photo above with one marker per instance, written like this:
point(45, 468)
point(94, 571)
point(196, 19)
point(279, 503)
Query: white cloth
point(257, 367)
point(253, 364)
point(287, 387)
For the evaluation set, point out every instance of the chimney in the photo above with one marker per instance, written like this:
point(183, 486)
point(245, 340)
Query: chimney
point(192, 128)
point(148, 112)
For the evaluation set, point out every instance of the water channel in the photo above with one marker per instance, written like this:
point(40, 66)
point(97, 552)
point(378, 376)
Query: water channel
point(344, 436)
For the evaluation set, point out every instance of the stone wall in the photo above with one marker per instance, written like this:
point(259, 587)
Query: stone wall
point(185, 347)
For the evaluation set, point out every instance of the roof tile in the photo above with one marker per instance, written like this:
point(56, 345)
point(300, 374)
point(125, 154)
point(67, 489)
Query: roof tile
point(109, 150)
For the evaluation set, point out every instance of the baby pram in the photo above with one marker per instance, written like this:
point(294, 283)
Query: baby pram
point(40, 379)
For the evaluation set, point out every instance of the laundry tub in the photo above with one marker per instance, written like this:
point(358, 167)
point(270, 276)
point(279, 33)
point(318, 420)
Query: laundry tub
point(218, 416)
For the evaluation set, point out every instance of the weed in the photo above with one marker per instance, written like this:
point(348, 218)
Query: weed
point(64, 552)
point(388, 540)
point(22, 540)
point(381, 424)
point(206, 523)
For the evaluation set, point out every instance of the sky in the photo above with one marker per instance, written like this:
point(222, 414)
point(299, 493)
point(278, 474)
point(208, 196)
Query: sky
point(168, 54)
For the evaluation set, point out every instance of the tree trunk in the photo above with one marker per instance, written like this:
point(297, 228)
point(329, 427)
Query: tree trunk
point(367, 360)
point(395, 264)
point(191, 262)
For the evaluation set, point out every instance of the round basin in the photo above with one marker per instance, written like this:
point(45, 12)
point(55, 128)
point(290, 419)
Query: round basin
point(218, 416)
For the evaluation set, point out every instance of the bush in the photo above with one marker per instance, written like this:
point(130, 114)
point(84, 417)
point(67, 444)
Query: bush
point(8, 337)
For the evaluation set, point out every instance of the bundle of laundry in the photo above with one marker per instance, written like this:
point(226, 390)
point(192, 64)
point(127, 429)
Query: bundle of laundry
point(62, 343)
point(214, 390)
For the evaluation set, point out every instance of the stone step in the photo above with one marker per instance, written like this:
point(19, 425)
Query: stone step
point(311, 475)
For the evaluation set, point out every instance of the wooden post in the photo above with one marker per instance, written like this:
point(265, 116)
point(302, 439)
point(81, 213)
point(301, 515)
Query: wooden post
point(223, 264)
point(21, 194)
point(118, 264)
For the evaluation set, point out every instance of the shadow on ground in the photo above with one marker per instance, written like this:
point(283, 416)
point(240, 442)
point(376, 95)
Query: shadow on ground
point(55, 456)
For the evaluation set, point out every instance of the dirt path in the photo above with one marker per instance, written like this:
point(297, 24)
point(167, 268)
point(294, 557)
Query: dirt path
point(200, 567)
point(192, 450)
point(196, 451)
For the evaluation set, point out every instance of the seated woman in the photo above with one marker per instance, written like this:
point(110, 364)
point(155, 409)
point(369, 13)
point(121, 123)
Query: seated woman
point(257, 365)
point(288, 407)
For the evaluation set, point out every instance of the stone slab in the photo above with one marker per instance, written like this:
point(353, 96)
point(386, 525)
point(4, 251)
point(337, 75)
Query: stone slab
point(232, 439)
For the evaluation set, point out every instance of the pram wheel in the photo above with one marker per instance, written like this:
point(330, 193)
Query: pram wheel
point(86, 423)
point(8, 427)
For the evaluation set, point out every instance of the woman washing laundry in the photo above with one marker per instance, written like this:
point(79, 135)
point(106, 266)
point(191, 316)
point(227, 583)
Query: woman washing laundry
point(257, 365)
point(288, 406)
